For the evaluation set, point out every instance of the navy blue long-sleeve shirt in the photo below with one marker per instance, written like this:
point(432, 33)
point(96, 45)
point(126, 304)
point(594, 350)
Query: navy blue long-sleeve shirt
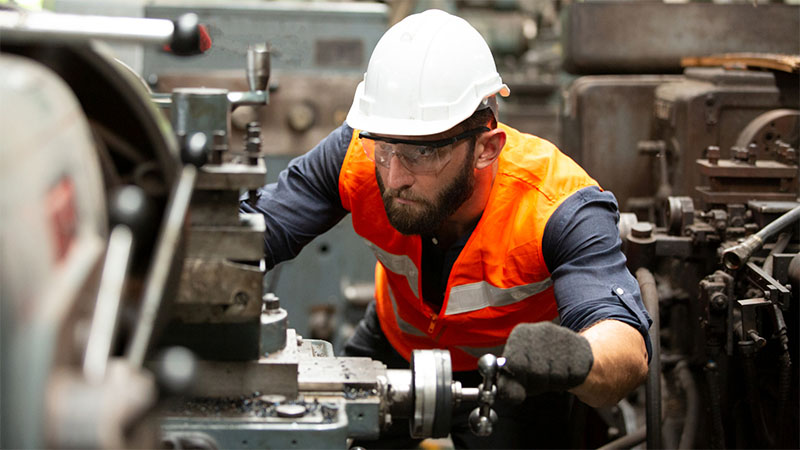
point(581, 244)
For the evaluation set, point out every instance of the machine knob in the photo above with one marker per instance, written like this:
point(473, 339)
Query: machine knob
point(258, 67)
point(482, 418)
point(186, 39)
point(482, 425)
point(194, 149)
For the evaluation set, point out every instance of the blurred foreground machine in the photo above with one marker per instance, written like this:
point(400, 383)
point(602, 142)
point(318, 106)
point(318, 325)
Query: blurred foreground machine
point(704, 165)
point(132, 311)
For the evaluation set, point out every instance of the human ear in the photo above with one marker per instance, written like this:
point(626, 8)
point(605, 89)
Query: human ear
point(489, 146)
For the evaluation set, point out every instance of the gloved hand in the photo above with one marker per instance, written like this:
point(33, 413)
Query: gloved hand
point(542, 357)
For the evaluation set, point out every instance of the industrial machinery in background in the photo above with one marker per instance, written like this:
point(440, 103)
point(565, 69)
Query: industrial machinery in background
point(156, 333)
point(318, 51)
point(704, 165)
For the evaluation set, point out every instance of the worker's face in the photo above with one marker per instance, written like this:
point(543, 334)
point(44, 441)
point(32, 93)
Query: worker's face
point(420, 203)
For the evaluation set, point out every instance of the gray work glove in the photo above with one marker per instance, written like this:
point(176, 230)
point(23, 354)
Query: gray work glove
point(542, 357)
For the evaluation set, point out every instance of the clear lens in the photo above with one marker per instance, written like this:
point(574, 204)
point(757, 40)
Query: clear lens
point(418, 159)
point(416, 156)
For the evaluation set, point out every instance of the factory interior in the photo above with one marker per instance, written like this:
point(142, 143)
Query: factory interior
point(137, 307)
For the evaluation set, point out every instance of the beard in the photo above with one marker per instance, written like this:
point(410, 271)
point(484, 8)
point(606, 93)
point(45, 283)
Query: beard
point(426, 216)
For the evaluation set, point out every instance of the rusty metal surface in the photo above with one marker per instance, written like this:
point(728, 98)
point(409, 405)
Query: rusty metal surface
point(710, 197)
point(772, 132)
point(218, 291)
point(739, 181)
point(736, 169)
point(652, 37)
point(605, 117)
point(302, 110)
point(244, 242)
point(229, 176)
point(785, 63)
point(215, 207)
point(708, 107)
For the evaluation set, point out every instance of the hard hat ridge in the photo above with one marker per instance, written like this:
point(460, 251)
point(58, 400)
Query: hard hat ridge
point(428, 73)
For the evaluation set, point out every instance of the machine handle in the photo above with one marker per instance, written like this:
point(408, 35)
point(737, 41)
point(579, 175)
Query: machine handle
point(184, 36)
point(482, 418)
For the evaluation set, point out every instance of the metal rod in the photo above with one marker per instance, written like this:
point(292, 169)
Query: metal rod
point(254, 98)
point(72, 27)
point(470, 394)
point(109, 297)
point(159, 273)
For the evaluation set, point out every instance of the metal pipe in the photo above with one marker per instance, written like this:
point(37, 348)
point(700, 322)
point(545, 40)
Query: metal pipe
point(691, 419)
point(647, 285)
point(29, 25)
point(735, 257)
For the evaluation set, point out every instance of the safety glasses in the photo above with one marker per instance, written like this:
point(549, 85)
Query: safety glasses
point(418, 157)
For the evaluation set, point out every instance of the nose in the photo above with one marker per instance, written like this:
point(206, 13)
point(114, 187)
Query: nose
point(398, 176)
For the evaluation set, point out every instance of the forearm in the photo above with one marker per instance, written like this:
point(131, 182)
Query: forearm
point(620, 363)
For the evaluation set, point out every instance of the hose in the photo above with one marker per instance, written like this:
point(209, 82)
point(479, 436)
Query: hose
point(712, 378)
point(647, 285)
point(784, 387)
point(784, 377)
point(690, 422)
point(735, 257)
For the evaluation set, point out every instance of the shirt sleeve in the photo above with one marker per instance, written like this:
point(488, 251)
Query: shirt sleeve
point(305, 201)
point(581, 247)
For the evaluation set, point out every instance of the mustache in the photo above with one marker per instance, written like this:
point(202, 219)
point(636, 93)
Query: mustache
point(404, 194)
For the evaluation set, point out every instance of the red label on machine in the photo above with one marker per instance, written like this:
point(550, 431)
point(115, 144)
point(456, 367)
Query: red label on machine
point(61, 211)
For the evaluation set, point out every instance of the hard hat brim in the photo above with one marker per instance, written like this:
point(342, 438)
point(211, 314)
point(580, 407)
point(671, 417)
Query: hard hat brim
point(356, 118)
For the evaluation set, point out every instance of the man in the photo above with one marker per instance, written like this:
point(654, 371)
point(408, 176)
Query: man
point(483, 235)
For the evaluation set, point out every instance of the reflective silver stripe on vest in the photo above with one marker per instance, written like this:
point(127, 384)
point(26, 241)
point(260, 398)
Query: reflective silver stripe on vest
point(399, 264)
point(404, 326)
point(475, 296)
point(480, 351)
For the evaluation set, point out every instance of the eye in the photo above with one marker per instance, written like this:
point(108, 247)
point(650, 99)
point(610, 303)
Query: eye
point(426, 152)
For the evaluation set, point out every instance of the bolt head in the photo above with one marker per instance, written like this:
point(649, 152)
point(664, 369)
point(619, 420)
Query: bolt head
point(642, 230)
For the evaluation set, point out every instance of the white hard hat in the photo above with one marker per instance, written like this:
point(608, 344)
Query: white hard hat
point(428, 73)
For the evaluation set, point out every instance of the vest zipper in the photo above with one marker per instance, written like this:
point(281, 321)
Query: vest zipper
point(432, 326)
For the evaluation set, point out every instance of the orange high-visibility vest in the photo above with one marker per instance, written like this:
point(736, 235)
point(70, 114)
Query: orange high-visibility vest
point(499, 279)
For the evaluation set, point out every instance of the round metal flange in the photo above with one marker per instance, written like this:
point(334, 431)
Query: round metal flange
point(680, 213)
point(444, 394)
point(431, 379)
point(769, 128)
